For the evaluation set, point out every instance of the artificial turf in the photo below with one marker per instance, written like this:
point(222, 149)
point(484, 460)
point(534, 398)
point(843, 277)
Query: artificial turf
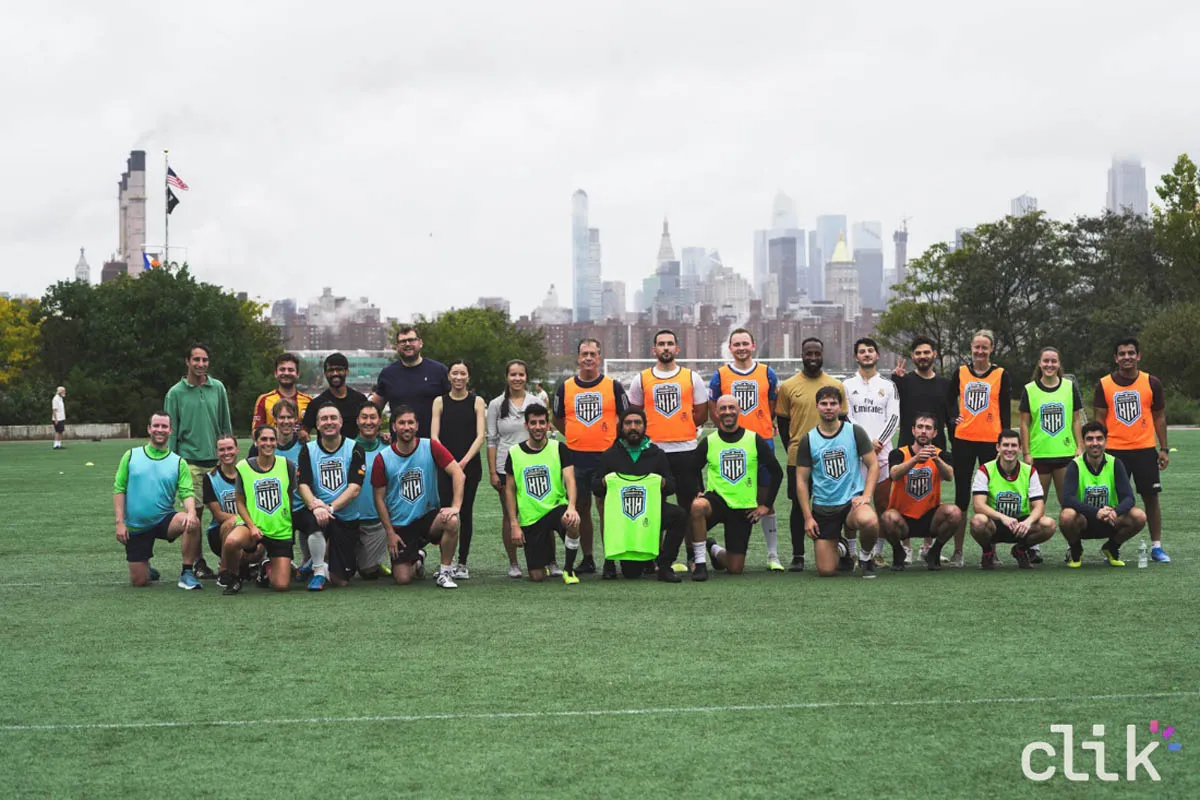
point(912, 685)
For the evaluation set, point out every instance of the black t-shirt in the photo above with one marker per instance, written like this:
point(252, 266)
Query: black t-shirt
point(919, 394)
point(349, 405)
point(414, 386)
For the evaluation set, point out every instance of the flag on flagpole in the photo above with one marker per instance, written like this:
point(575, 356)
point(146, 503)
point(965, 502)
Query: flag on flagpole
point(172, 200)
point(149, 262)
point(175, 180)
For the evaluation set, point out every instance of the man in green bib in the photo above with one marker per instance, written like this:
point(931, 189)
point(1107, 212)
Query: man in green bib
point(147, 481)
point(634, 480)
point(732, 457)
point(540, 497)
point(265, 493)
point(1098, 500)
point(1009, 503)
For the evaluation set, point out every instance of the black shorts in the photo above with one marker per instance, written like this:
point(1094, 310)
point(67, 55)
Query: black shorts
point(737, 526)
point(303, 521)
point(585, 467)
point(140, 546)
point(60, 426)
point(415, 536)
point(830, 524)
point(341, 538)
point(278, 548)
point(1098, 529)
point(687, 476)
point(1004, 533)
point(215, 544)
point(921, 527)
point(1142, 466)
point(539, 538)
point(1045, 466)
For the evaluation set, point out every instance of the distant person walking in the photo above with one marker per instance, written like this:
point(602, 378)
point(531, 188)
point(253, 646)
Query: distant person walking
point(58, 416)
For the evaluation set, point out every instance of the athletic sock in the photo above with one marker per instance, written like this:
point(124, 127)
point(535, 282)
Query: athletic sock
point(186, 569)
point(716, 550)
point(572, 548)
point(879, 547)
point(852, 547)
point(316, 546)
point(698, 552)
point(770, 529)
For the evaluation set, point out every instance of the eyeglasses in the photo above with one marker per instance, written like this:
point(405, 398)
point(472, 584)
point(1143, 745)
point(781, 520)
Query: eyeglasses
point(410, 340)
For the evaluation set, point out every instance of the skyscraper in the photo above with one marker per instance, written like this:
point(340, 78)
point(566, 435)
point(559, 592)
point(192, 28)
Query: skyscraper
point(82, 271)
point(867, 239)
point(666, 253)
point(581, 273)
point(816, 273)
point(612, 303)
point(1025, 204)
point(830, 229)
point(782, 260)
point(783, 213)
point(131, 202)
point(841, 281)
point(900, 239)
point(1127, 187)
point(595, 286)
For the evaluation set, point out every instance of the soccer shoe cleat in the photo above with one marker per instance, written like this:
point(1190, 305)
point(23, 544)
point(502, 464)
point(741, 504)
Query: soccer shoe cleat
point(419, 565)
point(461, 573)
point(908, 554)
point(678, 567)
point(445, 580)
point(610, 570)
point(224, 579)
point(867, 568)
point(514, 571)
point(988, 561)
point(797, 564)
point(154, 574)
point(773, 565)
point(554, 570)
point(1075, 562)
point(189, 581)
point(1035, 555)
point(845, 560)
point(956, 561)
point(587, 566)
point(570, 578)
point(1158, 555)
point(264, 574)
point(1021, 555)
point(880, 561)
point(700, 572)
point(932, 557)
point(233, 587)
point(202, 571)
point(668, 575)
point(385, 566)
point(317, 584)
point(305, 573)
point(899, 565)
point(1112, 556)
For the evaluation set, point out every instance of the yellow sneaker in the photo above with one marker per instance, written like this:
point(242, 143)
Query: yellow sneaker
point(774, 566)
point(677, 567)
point(1113, 561)
point(1073, 564)
point(570, 578)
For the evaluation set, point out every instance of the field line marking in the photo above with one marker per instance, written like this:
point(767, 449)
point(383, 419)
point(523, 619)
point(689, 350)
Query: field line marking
point(616, 712)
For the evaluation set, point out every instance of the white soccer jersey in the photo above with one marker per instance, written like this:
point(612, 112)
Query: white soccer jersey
point(874, 406)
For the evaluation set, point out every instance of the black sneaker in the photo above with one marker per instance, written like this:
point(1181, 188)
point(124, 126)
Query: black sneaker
point(933, 558)
point(224, 579)
point(797, 564)
point(898, 564)
point(610, 570)
point(700, 572)
point(667, 575)
point(867, 568)
point(1021, 554)
point(989, 560)
point(1035, 555)
point(587, 566)
point(154, 574)
point(202, 571)
point(233, 587)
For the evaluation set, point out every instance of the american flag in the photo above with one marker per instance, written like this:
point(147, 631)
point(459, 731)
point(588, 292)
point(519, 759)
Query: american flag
point(175, 180)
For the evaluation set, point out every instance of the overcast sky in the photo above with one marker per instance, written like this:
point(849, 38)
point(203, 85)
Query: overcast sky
point(425, 154)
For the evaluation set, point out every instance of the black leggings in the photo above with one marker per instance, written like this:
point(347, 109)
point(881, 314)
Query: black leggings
point(967, 457)
point(466, 514)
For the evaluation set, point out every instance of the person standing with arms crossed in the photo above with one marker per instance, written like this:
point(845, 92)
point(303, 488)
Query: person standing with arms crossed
point(199, 409)
point(983, 392)
point(586, 409)
point(58, 416)
point(460, 424)
point(1132, 407)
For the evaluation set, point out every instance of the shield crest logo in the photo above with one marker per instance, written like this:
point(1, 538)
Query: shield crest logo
point(633, 501)
point(229, 502)
point(537, 481)
point(1096, 496)
point(746, 394)
point(919, 483)
point(268, 494)
point(834, 462)
point(733, 465)
point(333, 474)
point(412, 485)
point(1009, 504)
point(589, 406)
point(975, 396)
point(1053, 418)
point(666, 398)
point(1128, 406)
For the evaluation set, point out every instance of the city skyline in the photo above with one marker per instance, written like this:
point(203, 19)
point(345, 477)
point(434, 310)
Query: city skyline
point(394, 145)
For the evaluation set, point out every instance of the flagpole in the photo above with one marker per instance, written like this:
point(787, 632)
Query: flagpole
point(167, 209)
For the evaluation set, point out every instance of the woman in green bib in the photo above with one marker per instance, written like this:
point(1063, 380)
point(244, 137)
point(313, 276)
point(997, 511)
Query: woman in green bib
point(1051, 418)
point(265, 491)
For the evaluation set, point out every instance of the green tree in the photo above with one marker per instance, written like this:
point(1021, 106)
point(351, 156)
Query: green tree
point(1177, 229)
point(925, 305)
point(122, 344)
point(484, 338)
point(19, 338)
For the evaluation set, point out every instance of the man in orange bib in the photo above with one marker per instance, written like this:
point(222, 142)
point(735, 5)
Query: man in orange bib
point(1130, 403)
point(915, 507)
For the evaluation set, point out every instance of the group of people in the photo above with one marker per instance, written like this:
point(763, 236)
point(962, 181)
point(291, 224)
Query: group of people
point(361, 497)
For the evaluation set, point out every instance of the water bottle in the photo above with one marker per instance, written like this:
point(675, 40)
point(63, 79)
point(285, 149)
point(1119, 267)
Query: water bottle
point(1143, 558)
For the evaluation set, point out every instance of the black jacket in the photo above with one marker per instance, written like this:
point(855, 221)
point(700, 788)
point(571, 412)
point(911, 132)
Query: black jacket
point(617, 459)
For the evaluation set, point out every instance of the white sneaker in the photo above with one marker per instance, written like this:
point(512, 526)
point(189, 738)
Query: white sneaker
point(554, 571)
point(460, 572)
point(908, 554)
point(445, 580)
point(514, 571)
point(956, 561)
point(920, 553)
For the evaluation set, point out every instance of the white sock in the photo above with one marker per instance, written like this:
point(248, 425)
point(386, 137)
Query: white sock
point(771, 534)
point(864, 556)
point(879, 547)
point(853, 547)
point(717, 550)
point(445, 568)
point(698, 552)
point(316, 546)
point(571, 544)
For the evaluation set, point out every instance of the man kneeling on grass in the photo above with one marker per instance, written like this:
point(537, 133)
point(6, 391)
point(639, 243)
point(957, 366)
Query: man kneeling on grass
point(1094, 481)
point(1009, 504)
point(539, 497)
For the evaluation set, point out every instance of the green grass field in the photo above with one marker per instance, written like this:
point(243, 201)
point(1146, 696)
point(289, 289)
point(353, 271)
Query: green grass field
point(913, 685)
